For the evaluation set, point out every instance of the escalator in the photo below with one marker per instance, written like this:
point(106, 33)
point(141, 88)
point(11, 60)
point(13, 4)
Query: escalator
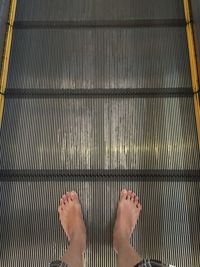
point(100, 96)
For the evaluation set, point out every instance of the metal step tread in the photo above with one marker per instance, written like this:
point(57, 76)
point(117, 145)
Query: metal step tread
point(72, 133)
point(106, 58)
point(98, 10)
point(167, 229)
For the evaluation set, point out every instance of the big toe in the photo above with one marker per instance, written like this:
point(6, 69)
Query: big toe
point(74, 196)
point(123, 194)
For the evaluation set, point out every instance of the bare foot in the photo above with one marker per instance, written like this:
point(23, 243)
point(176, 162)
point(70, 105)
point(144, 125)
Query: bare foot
point(71, 219)
point(127, 215)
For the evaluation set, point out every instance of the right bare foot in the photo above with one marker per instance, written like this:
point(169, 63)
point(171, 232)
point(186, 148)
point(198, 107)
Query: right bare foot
point(71, 219)
point(127, 215)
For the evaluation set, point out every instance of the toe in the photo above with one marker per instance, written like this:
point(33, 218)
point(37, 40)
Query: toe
point(136, 200)
point(133, 195)
point(68, 195)
point(64, 198)
point(123, 194)
point(129, 195)
point(73, 195)
point(62, 203)
point(59, 209)
point(139, 206)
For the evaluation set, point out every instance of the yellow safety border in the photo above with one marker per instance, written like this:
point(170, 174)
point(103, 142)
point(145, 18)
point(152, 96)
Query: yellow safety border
point(6, 55)
point(193, 65)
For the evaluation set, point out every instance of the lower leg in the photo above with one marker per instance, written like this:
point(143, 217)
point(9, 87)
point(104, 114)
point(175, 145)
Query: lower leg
point(127, 215)
point(72, 222)
point(73, 256)
point(127, 256)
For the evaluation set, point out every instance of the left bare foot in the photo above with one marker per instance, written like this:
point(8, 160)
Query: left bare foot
point(71, 219)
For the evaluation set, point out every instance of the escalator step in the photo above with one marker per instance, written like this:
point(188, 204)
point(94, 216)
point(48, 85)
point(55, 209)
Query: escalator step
point(88, 58)
point(167, 230)
point(104, 133)
point(48, 10)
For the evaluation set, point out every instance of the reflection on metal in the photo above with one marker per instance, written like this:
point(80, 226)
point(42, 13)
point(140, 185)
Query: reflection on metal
point(6, 56)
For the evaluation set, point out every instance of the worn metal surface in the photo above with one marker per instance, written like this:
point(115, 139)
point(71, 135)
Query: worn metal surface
point(31, 234)
point(100, 58)
point(98, 9)
point(99, 133)
point(4, 10)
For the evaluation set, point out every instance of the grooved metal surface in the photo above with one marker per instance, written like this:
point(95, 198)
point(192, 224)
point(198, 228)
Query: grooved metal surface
point(100, 58)
point(31, 234)
point(4, 10)
point(99, 133)
point(98, 9)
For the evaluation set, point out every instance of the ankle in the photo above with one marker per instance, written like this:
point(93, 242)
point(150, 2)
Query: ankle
point(120, 241)
point(73, 255)
point(78, 240)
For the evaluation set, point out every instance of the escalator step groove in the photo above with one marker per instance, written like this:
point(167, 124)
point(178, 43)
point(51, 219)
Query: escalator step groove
point(31, 234)
point(99, 133)
point(98, 10)
point(107, 58)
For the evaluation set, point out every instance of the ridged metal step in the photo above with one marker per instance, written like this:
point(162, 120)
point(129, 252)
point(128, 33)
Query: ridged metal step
point(168, 227)
point(153, 133)
point(99, 98)
point(105, 58)
point(63, 10)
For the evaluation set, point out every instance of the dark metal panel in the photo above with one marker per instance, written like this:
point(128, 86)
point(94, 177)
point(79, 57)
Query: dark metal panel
point(100, 58)
point(31, 234)
point(98, 9)
point(100, 133)
point(196, 27)
point(4, 10)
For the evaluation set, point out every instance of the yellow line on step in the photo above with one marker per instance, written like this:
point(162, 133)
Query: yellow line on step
point(187, 11)
point(12, 12)
point(193, 65)
point(6, 57)
point(6, 54)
